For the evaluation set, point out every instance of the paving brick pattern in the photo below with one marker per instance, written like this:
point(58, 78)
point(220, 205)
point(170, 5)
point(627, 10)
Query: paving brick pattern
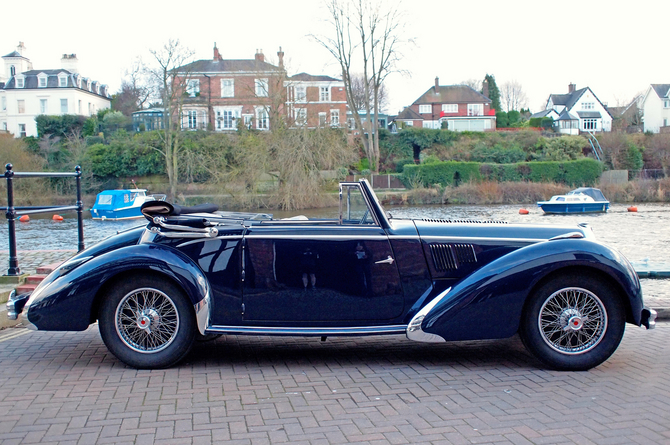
point(66, 388)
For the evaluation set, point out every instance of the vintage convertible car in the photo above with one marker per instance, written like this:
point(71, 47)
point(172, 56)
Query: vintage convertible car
point(194, 273)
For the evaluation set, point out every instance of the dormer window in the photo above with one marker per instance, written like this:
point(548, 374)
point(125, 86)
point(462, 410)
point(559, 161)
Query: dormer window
point(12, 71)
point(62, 80)
point(42, 80)
point(20, 82)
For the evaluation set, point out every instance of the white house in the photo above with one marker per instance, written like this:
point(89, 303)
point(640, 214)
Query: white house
point(579, 111)
point(26, 92)
point(656, 108)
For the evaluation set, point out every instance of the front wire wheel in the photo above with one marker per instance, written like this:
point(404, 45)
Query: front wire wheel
point(573, 322)
point(147, 322)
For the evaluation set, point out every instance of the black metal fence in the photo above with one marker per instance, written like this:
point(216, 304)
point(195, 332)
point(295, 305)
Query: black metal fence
point(11, 211)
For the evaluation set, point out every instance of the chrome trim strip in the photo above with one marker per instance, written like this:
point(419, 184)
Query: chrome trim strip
point(316, 332)
point(388, 260)
point(203, 308)
point(414, 331)
point(320, 237)
point(576, 235)
point(231, 237)
point(474, 238)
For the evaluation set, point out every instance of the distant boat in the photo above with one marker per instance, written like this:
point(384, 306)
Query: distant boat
point(581, 200)
point(121, 204)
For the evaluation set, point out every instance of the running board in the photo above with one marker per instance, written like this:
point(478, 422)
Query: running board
point(307, 332)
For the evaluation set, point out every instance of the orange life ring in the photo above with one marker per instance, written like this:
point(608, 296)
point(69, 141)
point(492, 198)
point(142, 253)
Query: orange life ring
point(523, 212)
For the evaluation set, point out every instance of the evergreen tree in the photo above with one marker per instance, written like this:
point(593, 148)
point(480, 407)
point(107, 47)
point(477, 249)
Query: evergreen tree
point(494, 92)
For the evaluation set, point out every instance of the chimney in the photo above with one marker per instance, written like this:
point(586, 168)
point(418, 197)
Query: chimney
point(259, 55)
point(69, 62)
point(485, 88)
point(437, 84)
point(217, 56)
point(21, 49)
point(571, 88)
point(280, 54)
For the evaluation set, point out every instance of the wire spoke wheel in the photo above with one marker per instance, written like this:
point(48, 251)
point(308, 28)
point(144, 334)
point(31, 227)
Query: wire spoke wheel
point(147, 320)
point(572, 320)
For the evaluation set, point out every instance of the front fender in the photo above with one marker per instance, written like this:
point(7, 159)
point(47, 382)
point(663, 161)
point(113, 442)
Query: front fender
point(489, 303)
point(67, 302)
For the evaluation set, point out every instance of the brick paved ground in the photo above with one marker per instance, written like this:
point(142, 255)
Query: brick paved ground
point(65, 388)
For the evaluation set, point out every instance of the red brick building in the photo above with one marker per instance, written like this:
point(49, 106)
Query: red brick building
point(459, 106)
point(316, 100)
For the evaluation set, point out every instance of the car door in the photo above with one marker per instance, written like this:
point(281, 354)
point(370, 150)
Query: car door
point(321, 271)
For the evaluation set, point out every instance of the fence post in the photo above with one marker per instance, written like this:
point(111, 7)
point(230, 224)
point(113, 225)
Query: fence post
point(80, 209)
point(14, 269)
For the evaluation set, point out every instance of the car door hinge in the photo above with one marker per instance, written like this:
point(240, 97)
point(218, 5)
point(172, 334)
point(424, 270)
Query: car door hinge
point(242, 308)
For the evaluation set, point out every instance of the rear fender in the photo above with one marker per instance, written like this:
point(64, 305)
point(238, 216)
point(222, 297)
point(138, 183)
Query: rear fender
point(489, 303)
point(69, 302)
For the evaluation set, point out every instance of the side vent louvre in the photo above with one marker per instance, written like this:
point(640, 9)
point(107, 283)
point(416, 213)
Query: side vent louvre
point(462, 221)
point(450, 256)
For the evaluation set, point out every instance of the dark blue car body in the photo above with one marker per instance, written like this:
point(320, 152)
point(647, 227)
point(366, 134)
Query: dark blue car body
point(362, 274)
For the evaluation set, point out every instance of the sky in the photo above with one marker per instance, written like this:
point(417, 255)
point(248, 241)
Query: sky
point(616, 48)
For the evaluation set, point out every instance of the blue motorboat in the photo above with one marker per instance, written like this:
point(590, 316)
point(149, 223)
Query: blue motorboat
point(121, 204)
point(581, 200)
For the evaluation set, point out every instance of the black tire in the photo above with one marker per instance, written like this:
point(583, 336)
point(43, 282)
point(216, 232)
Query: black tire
point(573, 322)
point(136, 305)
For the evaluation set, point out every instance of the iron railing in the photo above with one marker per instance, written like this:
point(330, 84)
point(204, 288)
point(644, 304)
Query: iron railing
point(11, 212)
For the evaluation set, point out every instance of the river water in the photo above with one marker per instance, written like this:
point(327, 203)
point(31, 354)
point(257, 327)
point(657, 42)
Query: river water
point(641, 236)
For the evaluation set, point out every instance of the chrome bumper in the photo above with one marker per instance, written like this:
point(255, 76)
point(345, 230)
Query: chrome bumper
point(15, 304)
point(648, 318)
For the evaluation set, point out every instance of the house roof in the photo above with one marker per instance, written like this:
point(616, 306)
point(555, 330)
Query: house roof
point(662, 89)
point(409, 115)
point(451, 94)
point(13, 54)
point(227, 65)
point(543, 113)
point(567, 116)
point(569, 99)
point(304, 77)
point(589, 114)
point(31, 81)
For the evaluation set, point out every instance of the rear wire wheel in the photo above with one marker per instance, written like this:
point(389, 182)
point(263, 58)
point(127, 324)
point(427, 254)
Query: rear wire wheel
point(147, 323)
point(573, 322)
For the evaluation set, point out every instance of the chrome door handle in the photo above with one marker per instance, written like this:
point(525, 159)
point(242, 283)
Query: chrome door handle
point(388, 260)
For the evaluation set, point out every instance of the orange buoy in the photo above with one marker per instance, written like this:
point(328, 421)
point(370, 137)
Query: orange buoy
point(523, 212)
point(57, 218)
point(632, 209)
point(24, 218)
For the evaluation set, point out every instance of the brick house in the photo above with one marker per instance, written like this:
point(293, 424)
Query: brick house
point(222, 93)
point(460, 106)
point(316, 100)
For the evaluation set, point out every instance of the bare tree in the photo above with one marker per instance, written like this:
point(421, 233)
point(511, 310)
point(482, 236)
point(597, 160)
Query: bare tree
point(513, 96)
point(358, 88)
point(170, 81)
point(475, 84)
point(367, 36)
point(135, 90)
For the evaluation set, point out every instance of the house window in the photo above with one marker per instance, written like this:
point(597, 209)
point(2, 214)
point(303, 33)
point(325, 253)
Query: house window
point(666, 104)
point(12, 71)
point(262, 120)
point(63, 106)
point(19, 82)
point(665, 122)
point(22, 130)
point(300, 93)
point(475, 109)
point(192, 119)
point(261, 87)
point(79, 107)
point(324, 94)
point(3, 104)
point(193, 88)
point(588, 105)
point(248, 119)
point(90, 108)
point(62, 81)
point(301, 116)
point(450, 108)
point(409, 123)
point(424, 109)
point(43, 106)
point(590, 124)
point(21, 105)
point(226, 119)
point(42, 81)
point(227, 87)
point(322, 119)
point(352, 124)
point(335, 118)
point(4, 126)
